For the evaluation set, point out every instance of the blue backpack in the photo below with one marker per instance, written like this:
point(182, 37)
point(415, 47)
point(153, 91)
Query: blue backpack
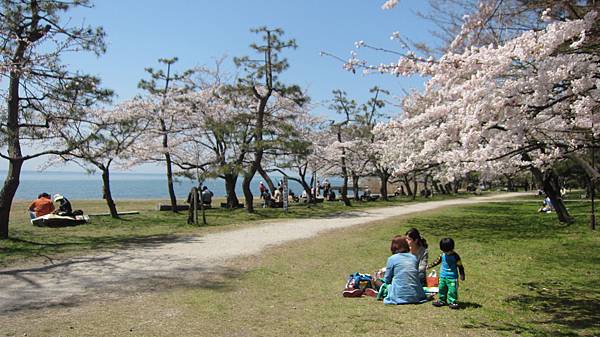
point(360, 281)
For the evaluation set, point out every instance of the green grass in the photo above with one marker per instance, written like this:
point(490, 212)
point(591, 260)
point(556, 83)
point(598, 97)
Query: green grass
point(150, 226)
point(527, 275)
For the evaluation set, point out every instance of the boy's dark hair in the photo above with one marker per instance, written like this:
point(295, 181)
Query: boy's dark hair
point(446, 244)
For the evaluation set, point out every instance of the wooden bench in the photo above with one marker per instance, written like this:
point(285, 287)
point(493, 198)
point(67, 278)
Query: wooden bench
point(224, 205)
point(162, 207)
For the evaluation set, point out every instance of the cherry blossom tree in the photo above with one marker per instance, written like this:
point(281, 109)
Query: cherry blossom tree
point(294, 141)
point(218, 133)
point(261, 83)
point(528, 102)
point(339, 150)
point(166, 116)
point(41, 93)
point(108, 135)
point(371, 114)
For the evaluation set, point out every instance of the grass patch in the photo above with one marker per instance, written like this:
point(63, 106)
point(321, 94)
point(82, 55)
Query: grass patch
point(527, 275)
point(149, 227)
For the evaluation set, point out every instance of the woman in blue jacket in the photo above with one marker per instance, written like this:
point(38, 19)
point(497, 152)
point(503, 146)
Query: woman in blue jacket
point(402, 275)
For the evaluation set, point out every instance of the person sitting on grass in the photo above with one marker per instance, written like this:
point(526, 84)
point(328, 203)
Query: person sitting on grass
point(402, 275)
point(418, 247)
point(41, 206)
point(267, 200)
point(278, 195)
point(331, 196)
point(449, 272)
point(64, 205)
point(206, 196)
point(366, 195)
point(546, 206)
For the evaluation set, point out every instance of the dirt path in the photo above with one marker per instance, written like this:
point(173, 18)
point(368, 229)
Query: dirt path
point(65, 282)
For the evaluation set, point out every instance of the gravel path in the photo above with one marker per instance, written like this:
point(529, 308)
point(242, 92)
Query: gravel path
point(64, 282)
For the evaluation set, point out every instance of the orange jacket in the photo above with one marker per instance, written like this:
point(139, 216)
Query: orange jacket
point(41, 206)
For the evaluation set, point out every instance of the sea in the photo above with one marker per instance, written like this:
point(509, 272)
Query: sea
point(124, 185)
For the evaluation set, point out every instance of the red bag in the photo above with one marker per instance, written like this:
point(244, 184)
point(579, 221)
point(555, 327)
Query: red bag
point(432, 280)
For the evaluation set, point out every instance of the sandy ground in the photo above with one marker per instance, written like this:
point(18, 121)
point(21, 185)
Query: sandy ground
point(64, 282)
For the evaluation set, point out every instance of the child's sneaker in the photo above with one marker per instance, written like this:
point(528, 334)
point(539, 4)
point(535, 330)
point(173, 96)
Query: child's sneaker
point(370, 292)
point(352, 293)
point(454, 306)
point(438, 304)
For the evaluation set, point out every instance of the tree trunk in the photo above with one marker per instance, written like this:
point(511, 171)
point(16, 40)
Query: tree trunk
point(355, 185)
point(509, 183)
point(11, 183)
point(256, 163)
point(248, 196)
point(312, 196)
point(449, 188)
point(107, 194)
point(444, 188)
point(193, 200)
point(267, 179)
point(456, 186)
point(406, 183)
point(305, 184)
point(436, 187)
point(384, 177)
point(344, 191)
point(170, 183)
point(415, 186)
point(591, 172)
point(552, 190)
point(230, 182)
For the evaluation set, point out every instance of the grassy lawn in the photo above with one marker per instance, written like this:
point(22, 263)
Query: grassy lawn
point(32, 243)
point(527, 275)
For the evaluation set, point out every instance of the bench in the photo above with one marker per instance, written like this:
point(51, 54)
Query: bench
point(162, 207)
point(224, 205)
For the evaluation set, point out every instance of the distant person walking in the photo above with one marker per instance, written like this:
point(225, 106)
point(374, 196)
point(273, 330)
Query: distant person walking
point(41, 206)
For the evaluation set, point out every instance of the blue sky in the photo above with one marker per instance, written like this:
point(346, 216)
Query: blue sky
point(197, 32)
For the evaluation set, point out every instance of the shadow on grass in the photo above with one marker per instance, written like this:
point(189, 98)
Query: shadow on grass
point(114, 284)
point(469, 305)
point(576, 308)
point(491, 222)
point(46, 268)
point(29, 242)
point(519, 329)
